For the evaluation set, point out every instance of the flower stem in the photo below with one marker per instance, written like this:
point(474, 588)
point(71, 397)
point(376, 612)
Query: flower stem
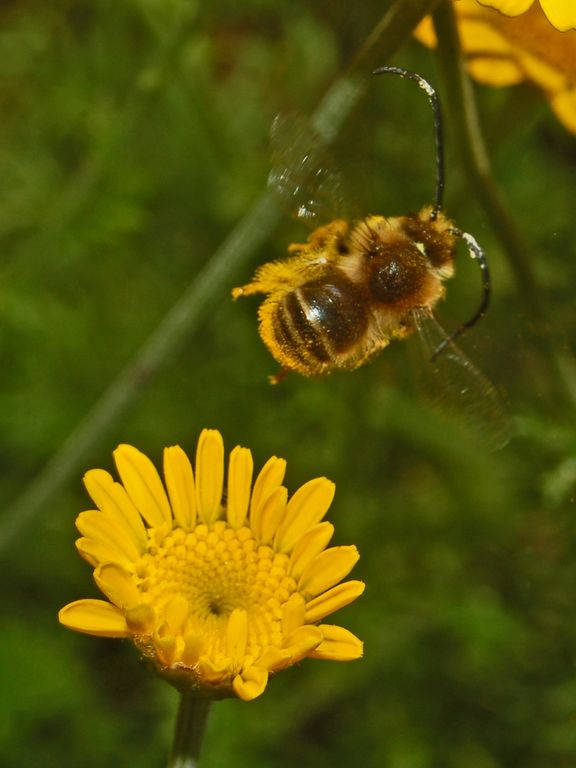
point(189, 732)
point(474, 153)
point(476, 161)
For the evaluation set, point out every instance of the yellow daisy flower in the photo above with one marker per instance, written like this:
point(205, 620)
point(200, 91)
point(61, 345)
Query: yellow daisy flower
point(560, 13)
point(502, 51)
point(219, 591)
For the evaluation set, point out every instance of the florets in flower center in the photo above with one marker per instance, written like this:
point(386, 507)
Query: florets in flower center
point(217, 570)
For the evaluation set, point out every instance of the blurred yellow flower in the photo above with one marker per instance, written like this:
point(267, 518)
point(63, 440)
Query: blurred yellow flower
point(560, 13)
point(503, 51)
point(219, 590)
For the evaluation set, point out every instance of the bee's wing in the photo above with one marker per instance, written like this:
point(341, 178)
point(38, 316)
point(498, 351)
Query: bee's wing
point(456, 383)
point(303, 174)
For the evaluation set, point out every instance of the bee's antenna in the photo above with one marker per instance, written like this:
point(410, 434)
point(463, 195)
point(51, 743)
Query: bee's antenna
point(478, 255)
point(437, 113)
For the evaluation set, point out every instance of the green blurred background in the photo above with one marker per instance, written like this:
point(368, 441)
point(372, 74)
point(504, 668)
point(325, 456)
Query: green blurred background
point(134, 136)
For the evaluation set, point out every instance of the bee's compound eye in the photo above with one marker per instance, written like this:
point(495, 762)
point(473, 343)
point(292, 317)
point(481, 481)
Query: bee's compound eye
point(397, 272)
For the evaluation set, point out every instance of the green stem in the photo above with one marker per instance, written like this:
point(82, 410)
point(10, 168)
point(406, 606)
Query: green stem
point(214, 280)
point(391, 32)
point(189, 732)
point(466, 121)
point(464, 117)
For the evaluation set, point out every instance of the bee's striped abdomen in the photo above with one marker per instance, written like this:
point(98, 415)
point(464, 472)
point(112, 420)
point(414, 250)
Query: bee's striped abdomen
point(319, 322)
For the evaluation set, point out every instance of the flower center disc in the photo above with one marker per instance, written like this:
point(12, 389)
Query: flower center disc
point(217, 569)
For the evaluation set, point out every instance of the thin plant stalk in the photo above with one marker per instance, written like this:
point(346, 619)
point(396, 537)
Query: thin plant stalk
point(186, 315)
point(464, 114)
point(191, 723)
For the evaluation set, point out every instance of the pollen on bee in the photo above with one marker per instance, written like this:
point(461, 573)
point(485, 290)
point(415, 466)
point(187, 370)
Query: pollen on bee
point(341, 296)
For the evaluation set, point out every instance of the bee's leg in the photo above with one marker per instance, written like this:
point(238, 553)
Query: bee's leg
point(248, 290)
point(328, 239)
point(280, 376)
point(281, 275)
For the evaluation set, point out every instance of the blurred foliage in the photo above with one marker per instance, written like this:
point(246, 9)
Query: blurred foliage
point(134, 136)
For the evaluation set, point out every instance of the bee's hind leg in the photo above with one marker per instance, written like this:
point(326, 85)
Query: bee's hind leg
point(277, 378)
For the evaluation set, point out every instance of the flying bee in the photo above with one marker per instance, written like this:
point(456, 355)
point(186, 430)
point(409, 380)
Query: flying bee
point(352, 287)
point(345, 293)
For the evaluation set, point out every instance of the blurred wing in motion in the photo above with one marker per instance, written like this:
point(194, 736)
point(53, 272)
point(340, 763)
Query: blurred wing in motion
point(303, 174)
point(457, 385)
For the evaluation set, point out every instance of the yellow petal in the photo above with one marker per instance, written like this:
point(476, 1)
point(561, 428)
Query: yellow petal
point(193, 645)
point(180, 485)
point(500, 73)
point(96, 552)
point(141, 619)
point(543, 74)
point(333, 600)
point(270, 514)
point(274, 659)
point(176, 613)
point(240, 470)
point(338, 645)
point(237, 635)
point(501, 50)
point(112, 498)
point(251, 683)
point(491, 58)
point(85, 547)
point(169, 649)
point(100, 526)
point(509, 7)
point(425, 33)
point(94, 617)
point(118, 585)
point(143, 485)
point(214, 670)
point(302, 642)
point(293, 613)
point(327, 569)
point(560, 13)
point(209, 474)
point(270, 477)
point(311, 544)
point(306, 508)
